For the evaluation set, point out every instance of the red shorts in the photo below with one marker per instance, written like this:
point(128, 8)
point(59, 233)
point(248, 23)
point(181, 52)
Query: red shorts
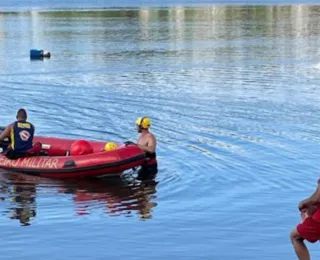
point(310, 230)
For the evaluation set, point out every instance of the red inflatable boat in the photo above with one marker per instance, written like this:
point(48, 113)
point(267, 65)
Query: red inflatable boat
point(55, 161)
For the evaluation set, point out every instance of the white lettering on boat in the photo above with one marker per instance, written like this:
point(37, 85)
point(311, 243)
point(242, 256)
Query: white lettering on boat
point(29, 162)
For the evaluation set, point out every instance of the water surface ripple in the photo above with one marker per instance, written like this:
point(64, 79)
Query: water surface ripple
point(232, 92)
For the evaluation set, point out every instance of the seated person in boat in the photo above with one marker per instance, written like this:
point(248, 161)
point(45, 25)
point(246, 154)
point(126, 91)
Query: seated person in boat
point(21, 134)
point(147, 142)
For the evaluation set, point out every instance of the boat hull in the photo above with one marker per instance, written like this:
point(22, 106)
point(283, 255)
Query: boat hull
point(56, 163)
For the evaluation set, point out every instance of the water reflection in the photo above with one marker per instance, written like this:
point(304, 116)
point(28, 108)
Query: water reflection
point(146, 24)
point(23, 199)
point(209, 37)
point(20, 197)
point(116, 196)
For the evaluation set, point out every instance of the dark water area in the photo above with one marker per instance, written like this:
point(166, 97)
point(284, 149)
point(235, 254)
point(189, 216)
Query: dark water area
point(232, 93)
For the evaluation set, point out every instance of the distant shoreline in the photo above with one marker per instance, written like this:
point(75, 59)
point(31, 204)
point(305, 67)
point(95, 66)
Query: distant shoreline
point(156, 5)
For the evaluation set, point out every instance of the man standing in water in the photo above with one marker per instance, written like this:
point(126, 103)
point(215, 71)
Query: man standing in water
point(147, 142)
point(309, 229)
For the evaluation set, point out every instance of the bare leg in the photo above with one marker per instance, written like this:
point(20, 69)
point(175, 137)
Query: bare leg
point(299, 246)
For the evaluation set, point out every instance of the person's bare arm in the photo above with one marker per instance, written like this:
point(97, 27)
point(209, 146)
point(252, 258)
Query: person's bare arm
point(5, 133)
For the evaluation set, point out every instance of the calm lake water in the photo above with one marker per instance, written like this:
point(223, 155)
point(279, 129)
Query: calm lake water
point(233, 95)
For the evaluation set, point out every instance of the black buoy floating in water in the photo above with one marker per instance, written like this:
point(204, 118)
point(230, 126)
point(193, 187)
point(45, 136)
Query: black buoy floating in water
point(39, 54)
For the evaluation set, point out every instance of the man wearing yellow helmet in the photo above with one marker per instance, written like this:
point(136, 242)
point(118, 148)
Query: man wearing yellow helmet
point(147, 142)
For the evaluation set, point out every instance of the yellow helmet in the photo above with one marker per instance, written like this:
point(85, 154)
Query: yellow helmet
point(143, 122)
point(110, 146)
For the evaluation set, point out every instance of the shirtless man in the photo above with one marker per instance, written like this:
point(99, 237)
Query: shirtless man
point(147, 142)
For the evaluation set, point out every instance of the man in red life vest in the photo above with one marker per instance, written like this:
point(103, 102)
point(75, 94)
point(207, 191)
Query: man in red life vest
point(309, 229)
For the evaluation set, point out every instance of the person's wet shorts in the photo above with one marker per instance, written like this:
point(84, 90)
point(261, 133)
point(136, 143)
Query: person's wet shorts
point(12, 154)
point(148, 171)
point(309, 230)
